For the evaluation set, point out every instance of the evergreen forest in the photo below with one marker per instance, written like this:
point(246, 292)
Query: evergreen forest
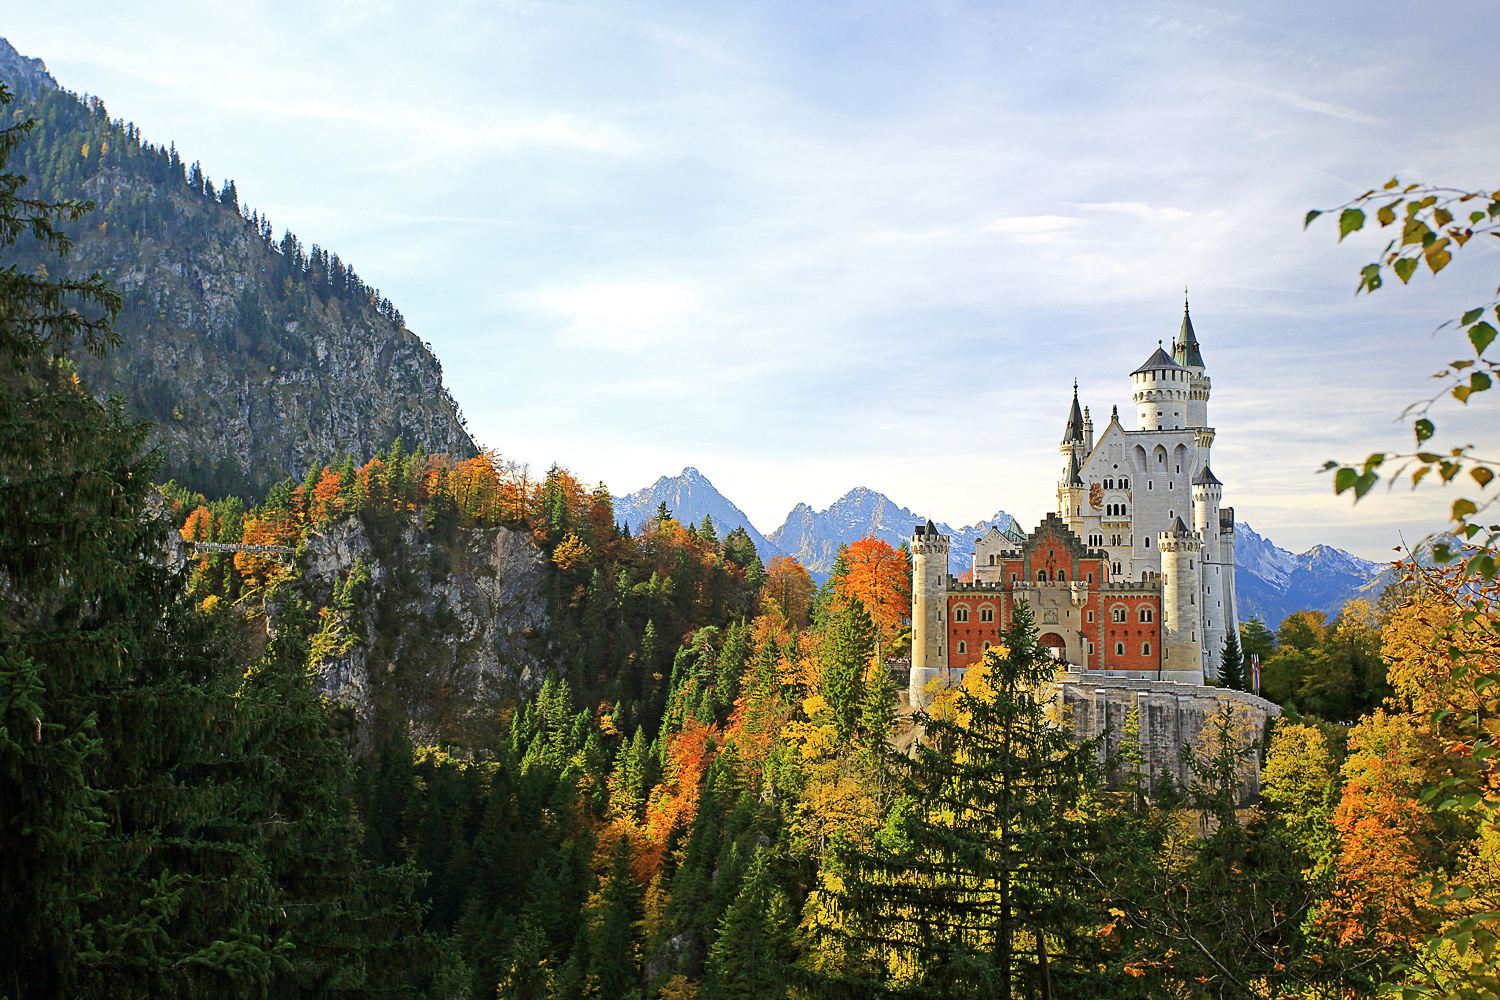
point(708, 787)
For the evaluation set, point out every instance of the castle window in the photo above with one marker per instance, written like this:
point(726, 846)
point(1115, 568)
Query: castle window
point(963, 647)
point(960, 614)
point(1117, 614)
point(986, 614)
point(1124, 484)
point(1013, 578)
point(1145, 649)
point(1117, 569)
point(992, 559)
point(1091, 621)
point(986, 644)
point(1119, 649)
point(1145, 614)
point(1091, 649)
point(1091, 578)
point(1148, 541)
point(1062, 576)
point(1041, 576)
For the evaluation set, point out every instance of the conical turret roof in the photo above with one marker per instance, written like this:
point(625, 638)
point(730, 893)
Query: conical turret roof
point(1159, 361)
point(1188, 355)
point(1074, 430)
point(1206, 478)
point(1074, 479)
point(1179, 528)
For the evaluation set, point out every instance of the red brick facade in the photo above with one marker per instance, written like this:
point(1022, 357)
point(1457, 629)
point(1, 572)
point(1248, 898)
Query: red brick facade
point(1066, 586)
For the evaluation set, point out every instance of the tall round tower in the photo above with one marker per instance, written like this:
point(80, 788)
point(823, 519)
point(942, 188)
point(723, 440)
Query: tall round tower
point(1187, 355)
point(1214, 574)
point(1160, 389)
point(929, 611)
point(1182, 629)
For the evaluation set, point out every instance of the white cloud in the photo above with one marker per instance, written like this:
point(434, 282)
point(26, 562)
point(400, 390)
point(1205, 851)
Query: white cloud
point(626, 317)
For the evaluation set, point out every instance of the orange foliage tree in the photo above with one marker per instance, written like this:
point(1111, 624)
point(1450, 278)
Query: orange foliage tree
point(880, 576)
point(790, 586)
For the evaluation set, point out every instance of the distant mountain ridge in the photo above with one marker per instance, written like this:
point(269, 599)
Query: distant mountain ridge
point(690, 497)
point(254, 356)
point(1272, 582)
point(814, 537)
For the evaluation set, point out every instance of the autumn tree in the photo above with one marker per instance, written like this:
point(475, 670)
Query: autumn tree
point(880, 578)
point(789, 585)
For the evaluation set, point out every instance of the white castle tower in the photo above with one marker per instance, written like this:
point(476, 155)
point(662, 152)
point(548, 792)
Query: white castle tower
point(929, 611)
point(1182, 631)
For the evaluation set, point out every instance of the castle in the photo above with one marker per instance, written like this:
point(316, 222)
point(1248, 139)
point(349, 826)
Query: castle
point(1132, 578)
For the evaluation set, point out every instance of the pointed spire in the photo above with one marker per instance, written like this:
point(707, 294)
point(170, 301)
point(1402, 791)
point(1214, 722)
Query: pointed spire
point(1186, 349)
point(1074, 479)
point(1114, 414)
point(1074, 430)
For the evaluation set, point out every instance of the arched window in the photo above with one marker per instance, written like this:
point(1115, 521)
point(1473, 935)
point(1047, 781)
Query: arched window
point(992, 559)
point(1117, 569)
point(1062, 576)
point(1119, 649)
point(1145, 649)
point(960, 614)
point(1041, 576)
point(1146, 614)
point(1125, 484)
point(986, 614)
point(1117, 614)
point(986, 644)
point(963, 647)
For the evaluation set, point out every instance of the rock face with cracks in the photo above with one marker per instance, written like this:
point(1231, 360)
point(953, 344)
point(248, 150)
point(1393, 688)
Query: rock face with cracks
point(438, 627)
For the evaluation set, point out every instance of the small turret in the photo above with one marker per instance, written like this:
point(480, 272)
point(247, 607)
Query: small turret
point(1088, 432)
point(929, 611)
point(1160, 388)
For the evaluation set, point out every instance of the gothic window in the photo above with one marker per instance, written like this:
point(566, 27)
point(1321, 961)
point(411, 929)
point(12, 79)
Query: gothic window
point(1062, 576)
point(1041, 576)
point(992, 559)
point(1145, 614)
point(986, 614)
point(1145, 649)
point(963, 647)
point(1124, 484)
point(1117, 614)
point(1119, 649)
point(1117, 569)
point(960, 614)
point(986, 644)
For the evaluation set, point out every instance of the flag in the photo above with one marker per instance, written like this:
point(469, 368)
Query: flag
point(1255, 672)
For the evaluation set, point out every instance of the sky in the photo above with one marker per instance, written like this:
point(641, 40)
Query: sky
point(808, 247)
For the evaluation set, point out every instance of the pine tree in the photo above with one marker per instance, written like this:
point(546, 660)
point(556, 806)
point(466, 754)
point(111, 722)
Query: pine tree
point(978, 886)
point(749, 956)
point(848, 645)
point(1232, 664)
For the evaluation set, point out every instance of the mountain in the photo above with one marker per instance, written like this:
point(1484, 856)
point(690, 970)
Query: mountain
point(254, 356)
point(690, 496)
point(813, 537)
point(1272, 582)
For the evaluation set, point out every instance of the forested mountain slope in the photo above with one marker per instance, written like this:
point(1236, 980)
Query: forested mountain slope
point(256, 356)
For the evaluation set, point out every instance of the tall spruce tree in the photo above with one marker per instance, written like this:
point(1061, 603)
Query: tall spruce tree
point(1232, 663)
point(848, 645)
point(979, 885)
point(749, 957)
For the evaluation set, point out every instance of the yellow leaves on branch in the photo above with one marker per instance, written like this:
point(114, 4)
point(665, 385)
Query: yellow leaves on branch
point(571, 553)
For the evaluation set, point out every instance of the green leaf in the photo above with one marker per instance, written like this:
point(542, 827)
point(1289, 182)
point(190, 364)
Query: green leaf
point(1405, 268)
point(1442, 216)
point(1481, 335)
point(1369, 278)
point(1461, 509)
point(1425, 430)
point(1386, 214)
point(1310, 217)
point(1472, 315)
point(1375, 461)
point(1479, 382)
point(1481, 475)
point(1344, 479)
point(1392, 183)
point(1350, 220)
point(1364, 483)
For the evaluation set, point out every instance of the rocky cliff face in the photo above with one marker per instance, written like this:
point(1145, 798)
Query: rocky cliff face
point(255, 357)
point(441, 630)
